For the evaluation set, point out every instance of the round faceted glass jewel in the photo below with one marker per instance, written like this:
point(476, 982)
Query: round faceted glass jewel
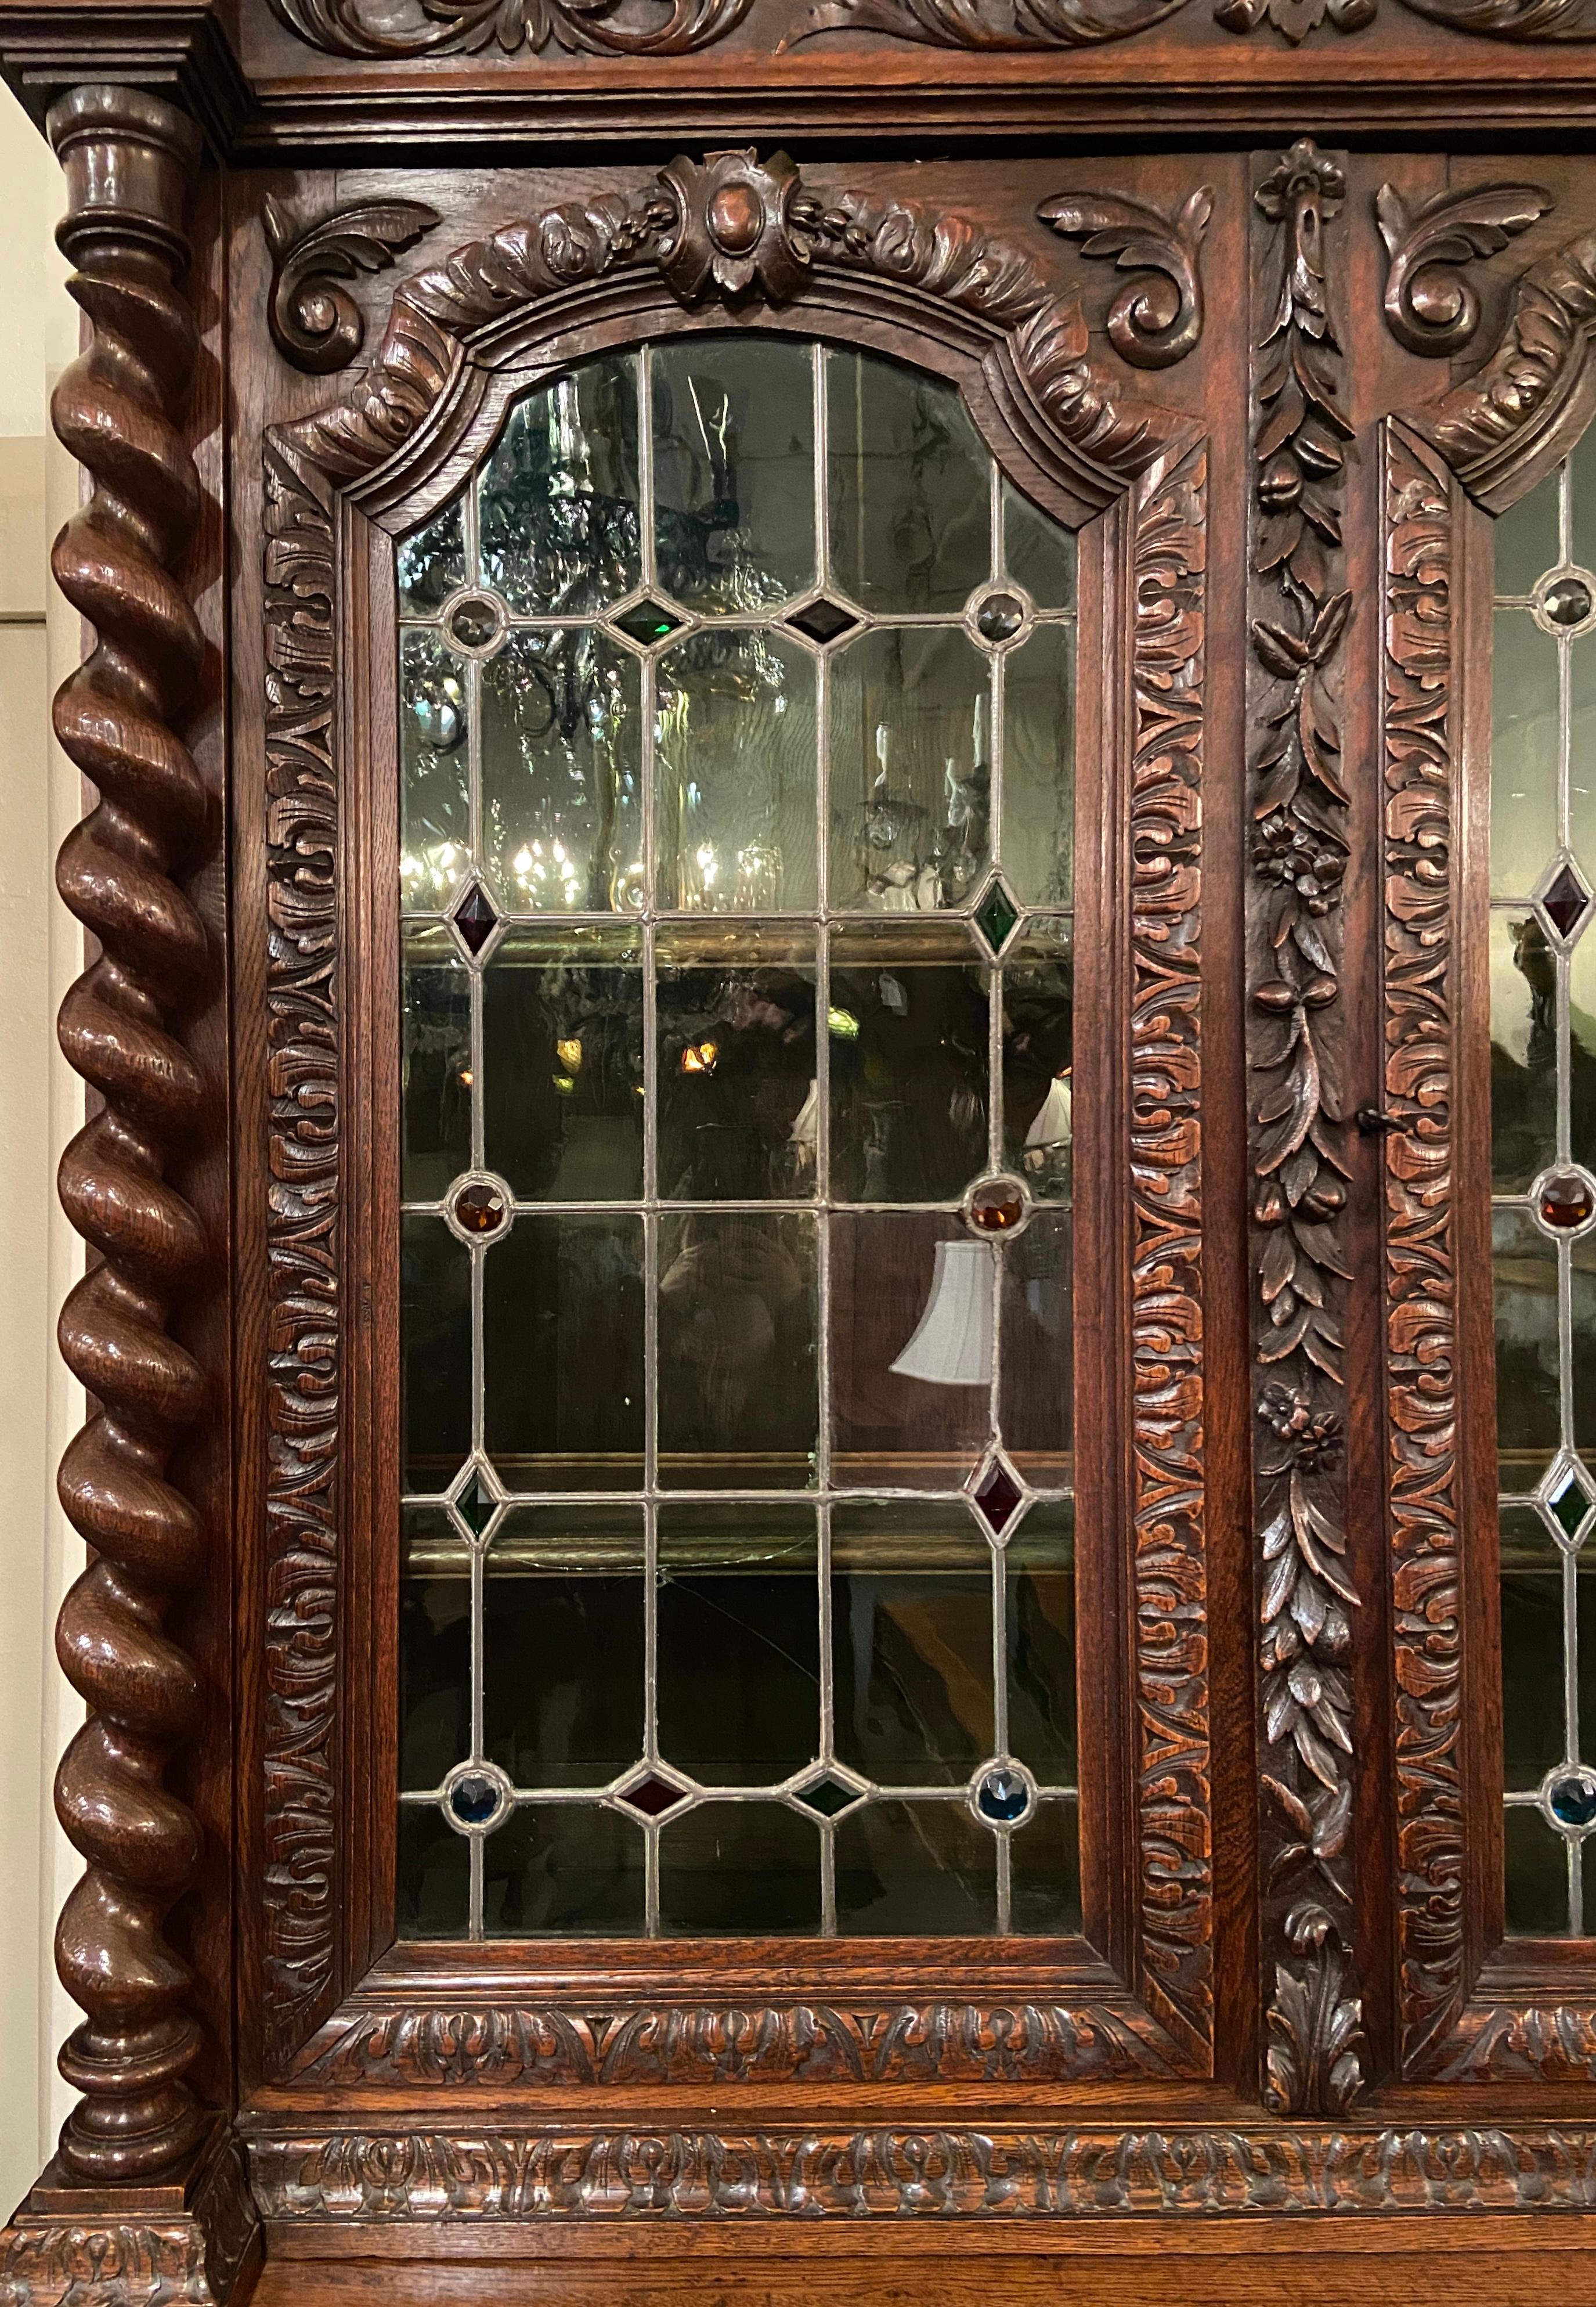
point(1567, 601)
point(474, 1798)
point(1003, 1796)
point(474, 622)
point(1000, 617)
point(480, 1208)
point(996, 1205)
point(1566, 1202)
point(1571, 1799)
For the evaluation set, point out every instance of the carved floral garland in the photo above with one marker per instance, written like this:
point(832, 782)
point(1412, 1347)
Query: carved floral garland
point(1299, 860)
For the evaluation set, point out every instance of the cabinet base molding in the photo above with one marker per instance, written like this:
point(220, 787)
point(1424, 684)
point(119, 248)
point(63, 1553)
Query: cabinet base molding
point(463, 2185)
point(193, 2237)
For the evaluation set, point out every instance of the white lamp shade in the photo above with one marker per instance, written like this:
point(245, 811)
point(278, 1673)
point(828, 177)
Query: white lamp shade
point(1052, 1124)
point(953, 1345)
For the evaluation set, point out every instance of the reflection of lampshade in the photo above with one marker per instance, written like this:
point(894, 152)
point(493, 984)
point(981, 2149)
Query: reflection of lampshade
point(953, 1345)
point(1052, 1124)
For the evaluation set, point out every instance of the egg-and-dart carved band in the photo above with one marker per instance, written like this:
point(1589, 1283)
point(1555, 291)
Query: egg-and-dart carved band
point(1300, 607)
point(731, 227)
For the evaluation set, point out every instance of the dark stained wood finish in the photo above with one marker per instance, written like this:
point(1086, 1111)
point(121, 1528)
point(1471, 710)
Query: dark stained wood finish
point(128, 160)
point(1291, 2037)
point(849, 265)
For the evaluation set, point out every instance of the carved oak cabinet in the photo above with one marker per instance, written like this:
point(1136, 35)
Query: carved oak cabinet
point(840, 877)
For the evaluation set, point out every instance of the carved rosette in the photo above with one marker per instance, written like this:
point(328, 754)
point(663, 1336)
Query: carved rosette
point(1300, 802)
point(128, 160)
point(731, 228)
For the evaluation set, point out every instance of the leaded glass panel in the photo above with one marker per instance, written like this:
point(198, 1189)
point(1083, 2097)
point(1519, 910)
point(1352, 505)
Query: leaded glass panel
point(1542, 973)
point(738, 1166)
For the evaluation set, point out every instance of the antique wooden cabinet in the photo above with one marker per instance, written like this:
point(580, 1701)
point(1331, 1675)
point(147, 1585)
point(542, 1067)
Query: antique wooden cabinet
point(842, 1303)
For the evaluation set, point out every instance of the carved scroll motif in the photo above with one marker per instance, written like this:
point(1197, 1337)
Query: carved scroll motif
point(1432, 308)
point(1300, 805)
point(1087, 2173)
point(315, 323)
point(1522, 413)
point(731, 228)
point(366, 28)
point(1156, 317)
point(1010, 24)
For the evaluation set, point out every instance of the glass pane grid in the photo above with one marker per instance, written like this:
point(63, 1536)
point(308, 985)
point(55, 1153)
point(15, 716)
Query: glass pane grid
point(718, 1241)
point(1544, 1071)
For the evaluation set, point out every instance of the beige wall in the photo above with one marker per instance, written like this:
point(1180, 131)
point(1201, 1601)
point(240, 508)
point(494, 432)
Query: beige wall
point(38, 1110)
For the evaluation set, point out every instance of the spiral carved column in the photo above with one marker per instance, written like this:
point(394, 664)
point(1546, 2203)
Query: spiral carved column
point(137, 2143)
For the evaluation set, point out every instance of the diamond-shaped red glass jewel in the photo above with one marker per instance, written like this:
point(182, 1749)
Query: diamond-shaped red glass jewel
point(652, 1796)
point(1565, 901)
point(998, 1496)
point(474, 917)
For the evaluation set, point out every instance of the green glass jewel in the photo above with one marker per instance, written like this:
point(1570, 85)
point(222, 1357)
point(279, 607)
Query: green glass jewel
point(996, 915)
point(1570, 1504)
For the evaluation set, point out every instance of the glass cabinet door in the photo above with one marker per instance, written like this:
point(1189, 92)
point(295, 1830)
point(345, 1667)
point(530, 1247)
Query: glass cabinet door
point(737, 874)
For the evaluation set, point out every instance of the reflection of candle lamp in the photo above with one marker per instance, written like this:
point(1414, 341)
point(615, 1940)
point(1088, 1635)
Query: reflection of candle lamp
point(569, 1054)
point(699, 1057)
point(1047, 1142)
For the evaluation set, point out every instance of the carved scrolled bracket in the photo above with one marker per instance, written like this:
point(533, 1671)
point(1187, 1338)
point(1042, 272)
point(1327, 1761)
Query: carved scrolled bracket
point(1296, 1038)
point(1156, 317)
point(1521, 414)
point(315, 324)
point(1432, 308)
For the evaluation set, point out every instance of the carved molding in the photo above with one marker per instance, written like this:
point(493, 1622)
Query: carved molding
point(557, 2046)
point(1300, 609)
point(1418, 735)
point(1432, 308)
point(129, 160)
point(1156, 317)
point(989, 23)
point(200, 2249)
point(315, 324)
point(627, 28)
point(1017, 24)
point(731, 228)
point(1522, 413)
point(1084, 2173)
point(1170, 1581)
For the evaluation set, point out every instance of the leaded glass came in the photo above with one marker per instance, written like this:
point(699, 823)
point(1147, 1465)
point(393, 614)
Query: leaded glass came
point(737, 894)
point(1542, 967)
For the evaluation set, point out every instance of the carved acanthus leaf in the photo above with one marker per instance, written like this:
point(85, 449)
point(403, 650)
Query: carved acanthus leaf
point(1516, 416)
point(315, 324)
point(420, 27)
point(1086, 2172)
point(1300, 1255)
point(989, 23)
point(1432, 308)
point(1156, 317)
